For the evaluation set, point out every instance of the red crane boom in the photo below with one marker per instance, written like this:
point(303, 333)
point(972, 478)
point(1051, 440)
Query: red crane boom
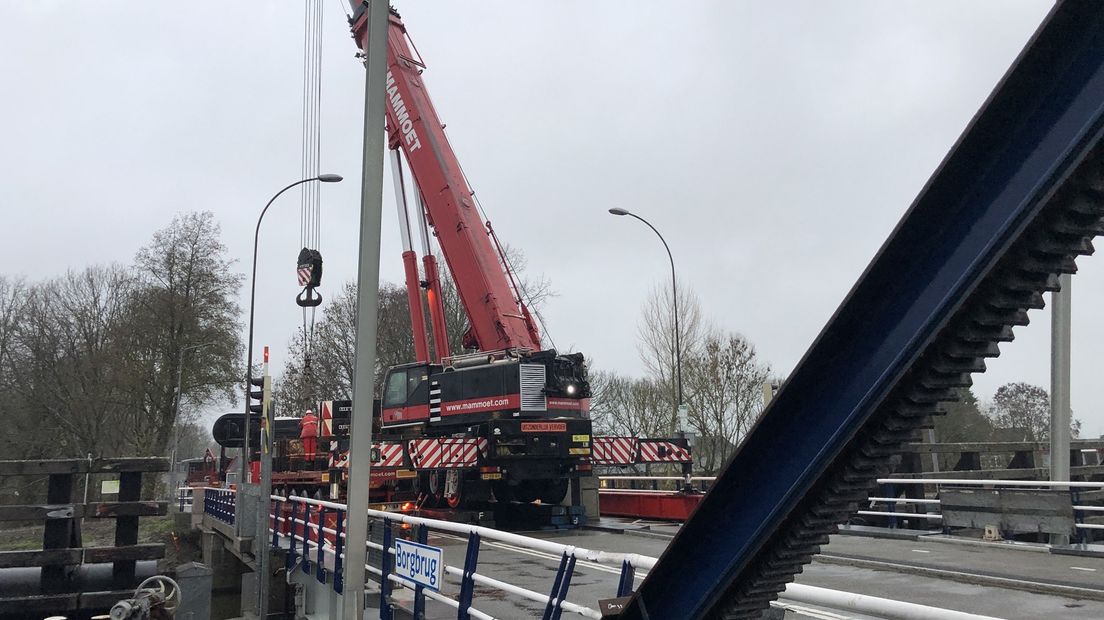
point(497, 317)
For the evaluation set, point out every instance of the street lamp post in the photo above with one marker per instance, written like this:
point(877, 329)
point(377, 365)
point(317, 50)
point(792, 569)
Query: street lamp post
point(325, 178)
point(674, 302)
point(176, 401)
point(260, 551)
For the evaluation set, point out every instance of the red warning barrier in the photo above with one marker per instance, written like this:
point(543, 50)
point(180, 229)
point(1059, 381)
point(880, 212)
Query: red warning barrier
point(645, 505)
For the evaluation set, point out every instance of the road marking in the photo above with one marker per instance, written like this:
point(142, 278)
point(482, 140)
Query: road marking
point(1091, 570)
point(920, 551)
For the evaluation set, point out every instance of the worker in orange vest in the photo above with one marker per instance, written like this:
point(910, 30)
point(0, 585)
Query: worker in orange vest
point(308, 432)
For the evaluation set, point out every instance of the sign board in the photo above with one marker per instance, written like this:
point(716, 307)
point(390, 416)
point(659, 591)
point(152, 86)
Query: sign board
point(229, 430)
point(612, 607)
point(109, 487)
point(422, 564)
point(543, 427)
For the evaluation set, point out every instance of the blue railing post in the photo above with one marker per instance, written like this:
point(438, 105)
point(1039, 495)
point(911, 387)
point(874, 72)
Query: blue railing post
point(467, 583)
point(277, 506)
point(419, 594)
point(320, 573)
point(291, 529)
point(556, 598)
point(625, 583)
point(385, 573)
point(339, 544)
point(306, 538)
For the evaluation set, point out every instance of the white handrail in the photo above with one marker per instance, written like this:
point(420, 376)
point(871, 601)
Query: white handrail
point(810, 595)
point(873, 605)
point(692, 478)
point(980, 482)
point(902, 500)
point(903, 515)
point(451, 570)
point(536, 544)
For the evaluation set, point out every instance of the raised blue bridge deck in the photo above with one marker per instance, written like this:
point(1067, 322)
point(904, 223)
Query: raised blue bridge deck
point(1017, 199)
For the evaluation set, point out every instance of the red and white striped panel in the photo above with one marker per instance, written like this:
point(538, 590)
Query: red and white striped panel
point(333, 453)
point(341, 460)
point(391, 455)
point(326, 416)
point(447, 452)
point(660, 451)
point(613, 451)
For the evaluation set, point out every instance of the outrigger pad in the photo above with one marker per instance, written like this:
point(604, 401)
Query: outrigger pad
point(310, 268)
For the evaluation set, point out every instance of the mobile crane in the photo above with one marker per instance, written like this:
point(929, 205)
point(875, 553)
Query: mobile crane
point(512, 415)
point(509, 419)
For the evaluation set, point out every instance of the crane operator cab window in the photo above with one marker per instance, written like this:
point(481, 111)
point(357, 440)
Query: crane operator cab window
point(407, 386)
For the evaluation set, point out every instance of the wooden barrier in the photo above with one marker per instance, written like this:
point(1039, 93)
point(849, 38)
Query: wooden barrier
point(62, 554)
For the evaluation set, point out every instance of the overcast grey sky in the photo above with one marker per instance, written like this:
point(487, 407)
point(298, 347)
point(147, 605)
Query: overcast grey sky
point(775, 145)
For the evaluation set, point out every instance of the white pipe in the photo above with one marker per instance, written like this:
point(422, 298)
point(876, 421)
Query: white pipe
point(638, 491)
point(692, 478)
point(873, 605)
point(1007, 483)
point(911, 515)
point(1090, 508)
point(1089, 526)
point(902, 500)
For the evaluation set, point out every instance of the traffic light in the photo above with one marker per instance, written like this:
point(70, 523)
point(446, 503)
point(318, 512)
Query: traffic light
point(256, 395)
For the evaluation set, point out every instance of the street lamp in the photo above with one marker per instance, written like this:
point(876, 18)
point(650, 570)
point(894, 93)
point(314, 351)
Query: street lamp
point(176, 401)
point(674, 300)
point(324, 178)
point(263, 508)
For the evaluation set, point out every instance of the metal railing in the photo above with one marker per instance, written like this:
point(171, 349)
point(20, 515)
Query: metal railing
point(184, 497)
point(1079, 510)
point(319, 548)
point(219, 503)
point(312, 533)
point(652, 484)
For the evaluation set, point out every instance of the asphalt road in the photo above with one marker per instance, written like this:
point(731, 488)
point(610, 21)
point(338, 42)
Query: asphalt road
point(1010, 583)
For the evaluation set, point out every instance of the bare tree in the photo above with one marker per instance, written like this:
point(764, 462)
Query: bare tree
point(628, 407)
point(61, 359)
point(657, 343)
point(333, 349)
point(182, 320)
point(724, 377)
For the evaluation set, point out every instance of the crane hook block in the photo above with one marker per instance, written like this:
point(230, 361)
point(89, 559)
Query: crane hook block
point(309, 297)
point(310, 268)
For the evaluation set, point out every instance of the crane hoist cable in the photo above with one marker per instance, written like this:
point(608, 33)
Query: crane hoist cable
point(309, 260)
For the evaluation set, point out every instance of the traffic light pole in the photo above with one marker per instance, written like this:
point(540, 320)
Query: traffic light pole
point(260, 538)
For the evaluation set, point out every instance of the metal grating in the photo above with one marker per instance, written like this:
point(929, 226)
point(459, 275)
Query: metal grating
point(532, 388)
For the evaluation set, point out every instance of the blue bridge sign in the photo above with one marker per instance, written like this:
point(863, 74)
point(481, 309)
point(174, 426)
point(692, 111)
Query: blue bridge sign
point(419, 563)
